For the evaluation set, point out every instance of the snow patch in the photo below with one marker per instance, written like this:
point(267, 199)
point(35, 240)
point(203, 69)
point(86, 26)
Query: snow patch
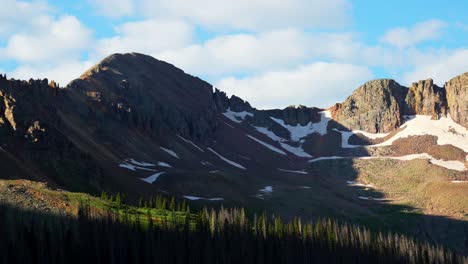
point(297, 132)
point(356, 184)
point(267, 145)
point(191, 143)
point(164, 164)
point(459, 181)
point(228, 125)
point(298, 151)
point(230, 162)
point(170, 152)
point(196, 198)
point(237, 117)
point(304, 187)
point(372, 198)
point(206, 163)
point(329, 158)
point(151, 179)
point(142, 164)
point(133, 167)
point(127, 166)
point(266, 189)
point(293, 171)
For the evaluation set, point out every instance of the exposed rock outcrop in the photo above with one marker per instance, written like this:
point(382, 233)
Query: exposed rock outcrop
point(426, 98)
point(375, 107)
point(457, 98)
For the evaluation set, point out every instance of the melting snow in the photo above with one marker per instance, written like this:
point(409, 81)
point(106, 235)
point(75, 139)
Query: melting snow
point(133, 167)
point(205, 163)
point(191, 143)
point(267, 189)
point(214, 171)
point(449, 164)
point(226, 160)
point(196, 198)
point(298, 131)
point(237, 117)
point(142, 164)
point(267, 145)
point(152, 178)
point(127, 166)
point(446, 130)
point(371, 198)
point(293, 171)
point(354, 183)
point(298, 151)
point(170, 152)
point(164, 164)
point(304, 187)
point(459, 181)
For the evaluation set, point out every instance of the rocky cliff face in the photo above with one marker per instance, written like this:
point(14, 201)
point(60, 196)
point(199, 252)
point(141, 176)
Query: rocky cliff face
point(457, 98)
point(425, 98)
point(375, 107)
point(379, 105)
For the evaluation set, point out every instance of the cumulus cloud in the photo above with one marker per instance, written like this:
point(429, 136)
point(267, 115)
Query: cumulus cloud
point(59, 39)
point(253, 14)
point(62, 73)
point(20, 15)
point(441, 69)
point(404, 37)
point(146, 36)
point(318, 84)
point(114, 8)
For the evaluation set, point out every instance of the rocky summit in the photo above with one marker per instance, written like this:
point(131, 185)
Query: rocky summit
point(140, 126)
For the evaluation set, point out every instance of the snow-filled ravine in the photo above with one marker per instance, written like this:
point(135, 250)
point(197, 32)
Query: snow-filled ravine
point(230, 162)
point(170, 152)
point(237, 117)
point(297, 133)
point(449, 164)
point(277, 150)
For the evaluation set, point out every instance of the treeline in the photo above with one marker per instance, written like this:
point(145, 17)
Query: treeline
point(158, 202)
point(210, 236)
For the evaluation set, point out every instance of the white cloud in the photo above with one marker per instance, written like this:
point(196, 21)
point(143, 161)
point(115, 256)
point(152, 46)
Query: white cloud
point(147, 36)
point(404, 37)
point(62, 73)
point(20, 15)
point(60, 39)
point(318, 84)
point(442, 69)
point(253, 14)
point(114, 8)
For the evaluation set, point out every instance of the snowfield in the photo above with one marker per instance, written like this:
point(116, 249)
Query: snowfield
point(267, 145)
point(237, 117)
point(230, 162)
point(170, 152)
point(151, 179)
point(447, 131)
point(297, 132)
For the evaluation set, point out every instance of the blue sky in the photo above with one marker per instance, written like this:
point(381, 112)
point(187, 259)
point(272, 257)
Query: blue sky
point(271, 52)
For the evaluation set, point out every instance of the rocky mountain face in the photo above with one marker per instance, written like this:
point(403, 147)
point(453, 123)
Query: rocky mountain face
point(379, 106)
point(457, 98)
point(134, 107)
